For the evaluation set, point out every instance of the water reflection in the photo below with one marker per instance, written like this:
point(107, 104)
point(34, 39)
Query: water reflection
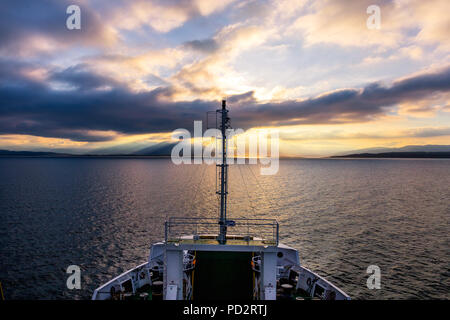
point(343, 215)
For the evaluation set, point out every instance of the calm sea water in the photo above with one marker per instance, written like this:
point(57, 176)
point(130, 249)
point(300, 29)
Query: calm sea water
point(342, 215)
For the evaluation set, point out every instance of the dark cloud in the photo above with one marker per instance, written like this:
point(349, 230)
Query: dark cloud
point(348, 105)
point(30, 107)
point(205, 46)
point(244, 97)
point(81, 78)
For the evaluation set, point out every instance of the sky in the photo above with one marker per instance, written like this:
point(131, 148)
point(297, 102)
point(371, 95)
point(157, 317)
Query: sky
point(137, 70)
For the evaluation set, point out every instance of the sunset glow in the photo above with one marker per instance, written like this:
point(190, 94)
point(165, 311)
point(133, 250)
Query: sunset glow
point(137, 70)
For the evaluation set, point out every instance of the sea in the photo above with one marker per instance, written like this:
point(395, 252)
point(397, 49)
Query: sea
point(343, 215)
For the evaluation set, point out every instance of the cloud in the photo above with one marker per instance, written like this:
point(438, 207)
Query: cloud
point(331, 133)
point(428, 132)
point(139, 71)
point(212, 75)
point(29, 27)
point(161, 15)
point(31, 107)
point(205, 46)
point(434, 25)
point(348, 105)
point(402, 22)
point(81, 78)
point(343, 24)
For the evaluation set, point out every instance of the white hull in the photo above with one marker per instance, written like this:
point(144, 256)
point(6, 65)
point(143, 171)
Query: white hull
point(104, 292)
point(286, 269)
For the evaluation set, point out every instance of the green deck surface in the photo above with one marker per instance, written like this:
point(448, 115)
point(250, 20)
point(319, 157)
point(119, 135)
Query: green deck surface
point(223, 276)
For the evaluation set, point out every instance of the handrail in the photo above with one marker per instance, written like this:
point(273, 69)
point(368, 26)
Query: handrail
point(266, 229)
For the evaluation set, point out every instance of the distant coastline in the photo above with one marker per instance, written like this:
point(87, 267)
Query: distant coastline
point(39, 154)
point(162, 155)
point(428, 155)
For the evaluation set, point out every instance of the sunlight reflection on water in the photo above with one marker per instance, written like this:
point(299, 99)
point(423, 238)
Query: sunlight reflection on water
point(342, 215)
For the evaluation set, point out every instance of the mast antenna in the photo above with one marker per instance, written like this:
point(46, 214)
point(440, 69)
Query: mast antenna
point(223, 175)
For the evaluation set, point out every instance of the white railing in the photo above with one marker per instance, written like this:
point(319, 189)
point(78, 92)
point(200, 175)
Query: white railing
point(248, 229)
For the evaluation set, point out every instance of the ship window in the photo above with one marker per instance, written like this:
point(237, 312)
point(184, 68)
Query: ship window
point(319, 291)
point(127, 286)
point(280, 254)
point(292, 276)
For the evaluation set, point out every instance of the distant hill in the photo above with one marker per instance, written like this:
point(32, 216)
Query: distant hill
point(31, 153)
point(398, 155)
point(158, 150)
point(164, 149)
point(425, 151)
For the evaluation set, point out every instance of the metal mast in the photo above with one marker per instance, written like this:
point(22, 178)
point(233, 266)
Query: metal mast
point(223, 222)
